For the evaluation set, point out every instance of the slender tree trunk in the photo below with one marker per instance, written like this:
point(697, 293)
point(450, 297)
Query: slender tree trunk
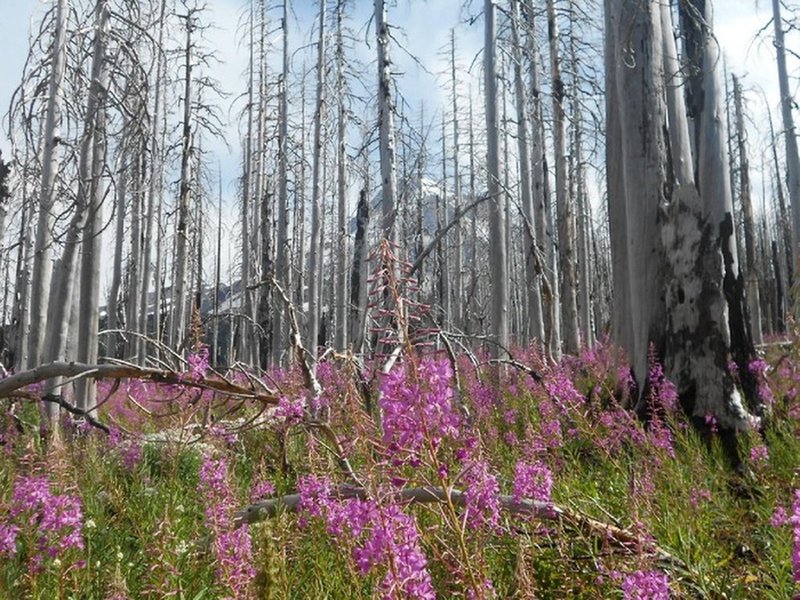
point(358, 274)
point(386, 124)
point(20, 318)
point(458, 273)
point(282, 247)
point(540, 197)
point(497, 225)
point(442, 219)
point(789, 132)
point(473, 306)
point(89, 305)
point(42, 266)
point(135, 257)
point(215, 353)
point(112, 307)
point(154, 189)
point(64, 291)
point(180, 281)
point(315, 252)
point(751, 268)
point(785, 220)
point(564, 202)
point(340, 340)
point(534, 328)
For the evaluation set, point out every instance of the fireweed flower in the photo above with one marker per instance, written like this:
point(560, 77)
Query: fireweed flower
point(394, 541)
point(646, 585)
point(662, 390)
point(291, 412)
point(418, 406)
point(8, 539)
point(56, 521)
point(481, 494)
point(563, 392)
point(779, 517)
point(759, 454)
point(315, 494)
point(382, 536)
point(759, 368)
point(533, 481)
point(198, 363)
point(699, 495)
point(232, 547)
point(795, 522)
point(660, 436)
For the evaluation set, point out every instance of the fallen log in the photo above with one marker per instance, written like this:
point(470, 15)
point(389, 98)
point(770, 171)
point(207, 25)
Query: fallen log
point(547, 511)
point(13, 384)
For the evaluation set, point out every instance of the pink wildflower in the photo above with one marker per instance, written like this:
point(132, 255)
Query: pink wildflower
point(795, 522)
point(646, 585)
point(417, 407)
point(534, 481)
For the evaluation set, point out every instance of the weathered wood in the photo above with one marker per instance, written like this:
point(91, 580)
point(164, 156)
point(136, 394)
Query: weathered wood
point(519, 507)
point(10, 385)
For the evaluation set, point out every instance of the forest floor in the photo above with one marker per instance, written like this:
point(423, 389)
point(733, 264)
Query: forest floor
point(529, 482)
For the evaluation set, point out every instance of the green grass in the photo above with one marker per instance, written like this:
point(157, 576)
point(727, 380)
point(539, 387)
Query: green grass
point(146, 536)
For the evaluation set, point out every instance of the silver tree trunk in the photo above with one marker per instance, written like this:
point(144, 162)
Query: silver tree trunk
point(315, 251)
point(42, 266)
point(534, 327)
point(497, 224)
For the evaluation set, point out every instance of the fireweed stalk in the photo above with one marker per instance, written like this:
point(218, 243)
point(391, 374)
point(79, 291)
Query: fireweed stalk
point(45, 525)
point(378, 534)
point(232, 546)
point(419, 419)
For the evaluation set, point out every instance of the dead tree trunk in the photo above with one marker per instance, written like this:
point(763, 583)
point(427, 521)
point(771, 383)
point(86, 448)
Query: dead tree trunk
point(751, 267)
point(497, 223)
point(42, 265)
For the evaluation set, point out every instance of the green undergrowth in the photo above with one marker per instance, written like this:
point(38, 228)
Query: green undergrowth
point(146, 534)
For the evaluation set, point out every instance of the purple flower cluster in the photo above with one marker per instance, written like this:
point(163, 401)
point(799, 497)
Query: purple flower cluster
point(481, 495)
point(661, 436)
point(383, 535)
point(697, 496)
point(417, 408)
point(759, 454)
point(198, 363)
point(662, 390)
point(759, 368)
point(290, 412)
point(533, 481)
point(646, 585)
point(563, 392)
point(129, 451)
point(779, 517)
point(232, 547)
point(795, 522)
point(53, 520)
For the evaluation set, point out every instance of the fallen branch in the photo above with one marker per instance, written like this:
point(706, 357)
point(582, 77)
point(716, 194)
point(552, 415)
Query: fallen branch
point(622, 538)
point(11, 385)
point(78, 412)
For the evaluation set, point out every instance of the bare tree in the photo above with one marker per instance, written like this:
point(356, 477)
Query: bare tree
point(534, 328)
point(42, 266)
point(497, 224)
point(789, 131)
point(751, 267)
point(564, 202)
point(315, 252)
